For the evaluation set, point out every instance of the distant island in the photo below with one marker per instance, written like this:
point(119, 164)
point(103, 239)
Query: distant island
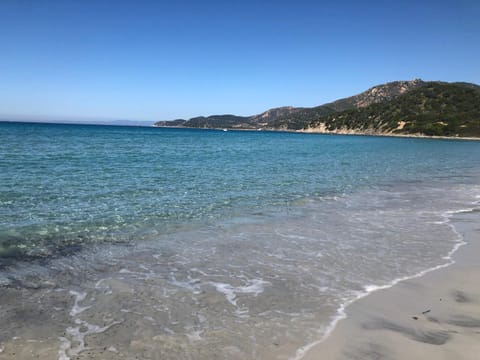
point(416, 107)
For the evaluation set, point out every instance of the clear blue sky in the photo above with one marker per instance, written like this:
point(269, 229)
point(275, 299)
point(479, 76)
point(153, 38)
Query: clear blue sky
point(158, 60)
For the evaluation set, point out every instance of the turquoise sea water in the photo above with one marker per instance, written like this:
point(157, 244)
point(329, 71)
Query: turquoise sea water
point(196, 244)
point(66, 185)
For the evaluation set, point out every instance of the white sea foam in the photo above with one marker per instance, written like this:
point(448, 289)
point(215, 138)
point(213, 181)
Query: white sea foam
point(368, 289)
point(98, 284)
point(77, 309)
point(192, 285)
point(65, 345)
point(77, 336)
point(194, 335)
point(255, 287)
point(112, 349)
point(73, 343)
point(290, 236)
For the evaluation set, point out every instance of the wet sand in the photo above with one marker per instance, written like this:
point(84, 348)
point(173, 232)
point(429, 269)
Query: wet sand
point(436, 316)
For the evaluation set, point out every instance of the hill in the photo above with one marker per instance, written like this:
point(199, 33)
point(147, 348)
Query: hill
point(380, 93)
point(232, 121)
point(399, 107)
point(433, 109)
point(296, 118)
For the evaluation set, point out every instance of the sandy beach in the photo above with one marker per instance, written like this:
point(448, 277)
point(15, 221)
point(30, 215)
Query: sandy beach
point(435, 316)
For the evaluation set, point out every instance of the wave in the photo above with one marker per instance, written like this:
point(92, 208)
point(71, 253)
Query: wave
point(369, 289)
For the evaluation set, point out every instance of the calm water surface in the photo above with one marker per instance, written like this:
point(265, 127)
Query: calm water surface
point(201, 244)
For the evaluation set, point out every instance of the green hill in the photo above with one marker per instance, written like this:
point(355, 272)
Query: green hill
point(296, 118)
point(400, 107)
point(217, 121)
point(435, 108)
point(377, 94)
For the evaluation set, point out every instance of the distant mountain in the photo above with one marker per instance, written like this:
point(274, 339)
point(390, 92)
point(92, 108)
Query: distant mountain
point(231, 121)
point(376, 94)
point(292, 118)
point(434, 109)
point(399, 107)
point(302, 119)
point(270, 116)
point(170, 123)
point(218, 121)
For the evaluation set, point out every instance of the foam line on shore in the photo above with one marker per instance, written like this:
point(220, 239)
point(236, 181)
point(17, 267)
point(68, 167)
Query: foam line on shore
point(368, 289)
point(73, 343)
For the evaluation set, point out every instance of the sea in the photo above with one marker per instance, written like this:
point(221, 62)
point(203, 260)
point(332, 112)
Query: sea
point(162, 243)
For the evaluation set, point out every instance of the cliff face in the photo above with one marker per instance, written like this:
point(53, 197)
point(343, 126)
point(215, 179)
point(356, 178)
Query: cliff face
point(399, 107)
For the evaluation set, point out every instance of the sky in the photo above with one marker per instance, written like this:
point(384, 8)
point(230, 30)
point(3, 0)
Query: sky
point(162, 60)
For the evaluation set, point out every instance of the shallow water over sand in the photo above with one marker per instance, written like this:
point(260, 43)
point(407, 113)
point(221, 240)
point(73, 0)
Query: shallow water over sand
point(251, 259)
point(248, 289)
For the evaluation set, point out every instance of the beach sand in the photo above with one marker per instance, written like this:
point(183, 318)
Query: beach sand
point(435, 316)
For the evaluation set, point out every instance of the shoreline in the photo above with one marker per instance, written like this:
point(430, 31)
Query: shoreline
point(315, 132)
point(414, 136)
point(71, 342)
point(394, 321)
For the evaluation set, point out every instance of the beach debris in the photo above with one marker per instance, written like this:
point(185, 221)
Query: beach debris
point(415, 317)
point(426, 312)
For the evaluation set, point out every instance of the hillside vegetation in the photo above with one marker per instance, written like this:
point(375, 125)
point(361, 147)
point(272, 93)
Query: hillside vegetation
point(399, 107)
point(376, 94)
point(435, 108)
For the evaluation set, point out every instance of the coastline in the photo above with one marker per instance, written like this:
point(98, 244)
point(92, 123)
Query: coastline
point(318, 132)
point(435, 315)
point(357, 133)
point(78, 332)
